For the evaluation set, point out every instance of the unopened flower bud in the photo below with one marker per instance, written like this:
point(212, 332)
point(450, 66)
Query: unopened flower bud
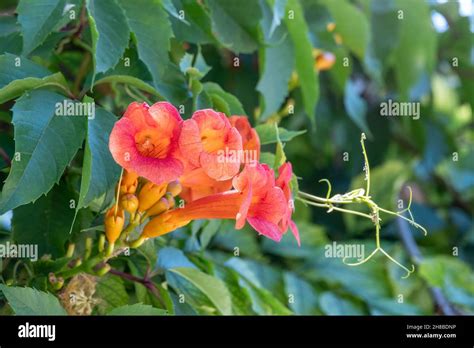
point(159, 207)
point(149, 195)
point(129, 203)
point(103, 270)
point(174, 188)
point(114, 224)
point(129, 182)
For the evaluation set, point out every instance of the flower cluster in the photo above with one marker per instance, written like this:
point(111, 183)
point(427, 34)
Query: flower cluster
point(210, 160)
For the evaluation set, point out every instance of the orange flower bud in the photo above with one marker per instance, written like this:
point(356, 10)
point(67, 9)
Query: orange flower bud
point(150, 194)
point(174, 188)
point(129, 189)
point(162, 224)
point(129, 178)
point(159, 207)
point(129, 182)
point(129, 203)
point(113, 224)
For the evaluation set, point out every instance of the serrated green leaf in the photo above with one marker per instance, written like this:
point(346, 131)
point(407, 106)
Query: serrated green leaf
point(278, 14)
point(351, 24)
point(110, 33)
point(267, 134)
point(137, 309)
point(14, 80)
point(304, 61)
point(198, 28)
point(38, 19)
point(99, 171)
point(149, 23)
point(414, 55)
point(303, 295)
point(111, 290)
point(44, 146)
point(29, 301)
point(277, 64)
point(214, 289)
point(356, 106)
point(235, 25)
point(230, 104)
point(52, 214)
point(241, 301)
point(332, 304)
point(8, 25)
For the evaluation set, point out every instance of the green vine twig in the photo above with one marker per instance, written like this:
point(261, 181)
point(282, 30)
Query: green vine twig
point(363, 196)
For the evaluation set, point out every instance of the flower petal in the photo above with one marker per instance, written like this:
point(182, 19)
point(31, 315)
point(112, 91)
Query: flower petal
point(267, 228)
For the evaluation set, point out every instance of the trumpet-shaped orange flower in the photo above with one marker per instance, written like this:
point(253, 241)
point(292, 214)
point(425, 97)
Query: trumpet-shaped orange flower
point(250, 139)
point(285, 173)
point(145, 141)
point(209, 141)
point(256, 199)
point(197, 184)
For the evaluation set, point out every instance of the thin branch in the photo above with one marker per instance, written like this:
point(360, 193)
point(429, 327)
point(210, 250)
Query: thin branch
point(146, 282)
point(415, 254)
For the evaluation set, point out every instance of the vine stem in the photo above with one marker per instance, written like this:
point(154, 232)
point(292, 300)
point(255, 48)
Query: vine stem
point(362, 196)
point(144, 281)
point(366, 164)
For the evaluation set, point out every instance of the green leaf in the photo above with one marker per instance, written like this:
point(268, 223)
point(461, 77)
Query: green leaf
point(198, 30)
point(384, 23)
point(52, 214)
point(137, 309)
point(436, 269)
point(169, 258)
point(209, 231)
point(298, 30)
point(38, 19)
point(241, 301)
point(149, 23)
point(390, 306)
point(305, 301)
point(278, 14)
point(99, 170)
point(214, 289)
point(229, 238)
point(277, 63)
point(44, 146)
point(356, 106)
point(236, 26)
point(415, 54)
point(29, 301)
point(14, 80)
point(110, 33)
point(332, 304)
point(256, 282)
point(171, 9)
point(129, 80)
point(351, 24)
point(232, 105)
point(8, 25)
point(11, 43)
point(111, 290)
point(268, 135)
